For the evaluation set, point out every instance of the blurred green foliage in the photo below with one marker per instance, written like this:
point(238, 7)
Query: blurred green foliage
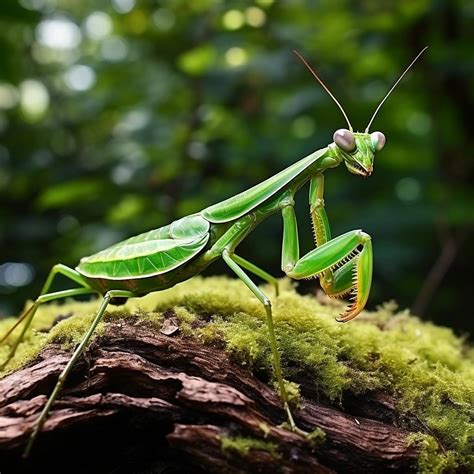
point(119, 116)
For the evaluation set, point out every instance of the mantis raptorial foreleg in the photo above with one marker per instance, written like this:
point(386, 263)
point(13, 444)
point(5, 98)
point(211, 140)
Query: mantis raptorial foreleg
point(338, 282)
point(332, 262)
point(322, 231)
point(230, 259)
point(356, 245)
point(28, 315)
point(79, 350)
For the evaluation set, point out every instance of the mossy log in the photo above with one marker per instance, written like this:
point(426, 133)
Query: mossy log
point(187, 397)
point(184, 387)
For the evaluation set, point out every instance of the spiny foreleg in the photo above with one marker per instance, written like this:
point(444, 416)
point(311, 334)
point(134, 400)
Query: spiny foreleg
point(343, 264)
point(341, 281)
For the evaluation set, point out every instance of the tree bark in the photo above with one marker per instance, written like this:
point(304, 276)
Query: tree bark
point(143, 401)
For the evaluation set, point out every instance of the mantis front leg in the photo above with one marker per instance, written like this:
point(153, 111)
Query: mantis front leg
point(343, 264)
point(339, 282)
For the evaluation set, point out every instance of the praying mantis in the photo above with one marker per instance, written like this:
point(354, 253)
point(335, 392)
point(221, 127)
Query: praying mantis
point(163, 257)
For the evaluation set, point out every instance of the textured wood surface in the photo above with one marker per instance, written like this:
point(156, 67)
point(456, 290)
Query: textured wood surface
point(143, 401)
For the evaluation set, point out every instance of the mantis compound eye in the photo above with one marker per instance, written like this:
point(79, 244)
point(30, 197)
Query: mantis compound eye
point(344, 139)
point(378, 140)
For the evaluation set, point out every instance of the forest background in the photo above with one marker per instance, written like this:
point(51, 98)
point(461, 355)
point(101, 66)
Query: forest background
point(119, 116)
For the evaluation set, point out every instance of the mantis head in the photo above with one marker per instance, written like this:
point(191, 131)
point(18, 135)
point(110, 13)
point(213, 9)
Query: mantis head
point(358, 149)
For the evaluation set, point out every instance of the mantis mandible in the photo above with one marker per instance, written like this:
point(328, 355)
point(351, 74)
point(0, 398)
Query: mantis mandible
point(163, 257)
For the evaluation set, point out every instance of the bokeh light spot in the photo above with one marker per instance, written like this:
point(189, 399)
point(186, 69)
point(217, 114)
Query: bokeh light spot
point(303, 126)
point(3, 122)
point(8, 96)
point(408, 189)
point(255, 17)
point(15, 274)
point(419, 123)
point(114, 49)
point(33, 4)
point(42, 158)
point(59, 33)
point(123, 6)
point(98, 25)
point(233, 20)
point(122, 174)
point(133, 121)
point(34, 99)
point(197, 60)
point(373, 90)
point(236, 57)
point(79, 77)
point(197, 150)
point(163, 19)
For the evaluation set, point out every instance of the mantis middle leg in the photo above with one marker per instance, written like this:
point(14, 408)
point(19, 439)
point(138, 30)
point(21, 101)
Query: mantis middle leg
point(256, 271)
point(28, 315)
point(231, 259)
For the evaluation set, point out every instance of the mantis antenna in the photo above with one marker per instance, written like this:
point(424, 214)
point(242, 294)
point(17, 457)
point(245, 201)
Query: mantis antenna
point(393, 87)
point(303, 60)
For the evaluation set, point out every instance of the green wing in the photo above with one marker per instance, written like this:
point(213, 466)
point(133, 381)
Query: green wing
point(238, 205)
point(152, 253)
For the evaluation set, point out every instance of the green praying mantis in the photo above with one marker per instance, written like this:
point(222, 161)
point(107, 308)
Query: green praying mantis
point(163, 257)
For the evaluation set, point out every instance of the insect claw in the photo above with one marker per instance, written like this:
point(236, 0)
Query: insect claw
point(351, 312)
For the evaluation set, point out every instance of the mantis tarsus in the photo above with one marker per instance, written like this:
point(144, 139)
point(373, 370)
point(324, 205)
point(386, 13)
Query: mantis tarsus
point(163, 257)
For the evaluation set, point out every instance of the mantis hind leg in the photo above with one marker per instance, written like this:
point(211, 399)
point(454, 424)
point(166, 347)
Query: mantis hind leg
point(231, 259)
point(28, 315)
point(77, 353)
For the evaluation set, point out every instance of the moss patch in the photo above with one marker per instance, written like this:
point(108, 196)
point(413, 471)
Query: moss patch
point(427, 368)
point(317, 437)
point(243, 445)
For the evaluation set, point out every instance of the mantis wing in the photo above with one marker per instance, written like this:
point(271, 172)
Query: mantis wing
point(237, 206)
point(152, 253)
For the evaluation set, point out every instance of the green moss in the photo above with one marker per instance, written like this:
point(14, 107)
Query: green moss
point(317, 437)
point(243, 445)
point(427, 368)
point(293, 392)
point(432, 460)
